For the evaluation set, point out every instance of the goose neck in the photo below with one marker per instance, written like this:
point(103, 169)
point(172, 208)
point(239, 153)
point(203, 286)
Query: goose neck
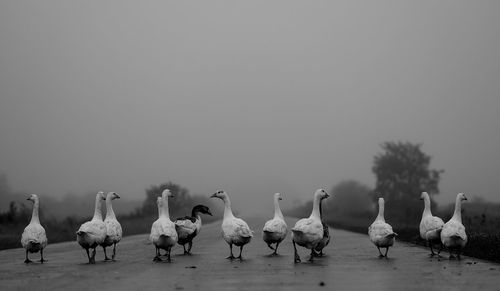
point(316, 212)
point(34, 215)
point(380, 215)
point(109, 209)
point(97, 210)
point(277, 209)
point(228, 213)
point(164, 211)
point(427, 206)
point(457, 215)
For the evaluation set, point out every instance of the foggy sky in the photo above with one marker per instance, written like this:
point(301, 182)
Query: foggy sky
point(251, 97)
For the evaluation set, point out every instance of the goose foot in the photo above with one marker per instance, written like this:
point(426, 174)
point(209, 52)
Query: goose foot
point(43, 261)
point(297, 259)
point(381, 256)
point(275, 254)
point(157, 259)
point(27, 261)
point(106, 259)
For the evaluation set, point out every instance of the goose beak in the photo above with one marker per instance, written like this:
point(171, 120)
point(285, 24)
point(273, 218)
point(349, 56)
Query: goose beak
point(28, 198)
point(209, 213)
point(279, 198)
point(117, 196)
point(327, 195)
point(214, 195)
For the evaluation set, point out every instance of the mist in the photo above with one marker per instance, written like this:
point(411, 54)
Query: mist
point(251, 98)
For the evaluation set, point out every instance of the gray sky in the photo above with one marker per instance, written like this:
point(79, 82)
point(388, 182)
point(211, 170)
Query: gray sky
point(252, 97)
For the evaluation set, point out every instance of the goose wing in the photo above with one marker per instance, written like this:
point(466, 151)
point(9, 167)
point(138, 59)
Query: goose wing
point(275, 225)
point(185, 226)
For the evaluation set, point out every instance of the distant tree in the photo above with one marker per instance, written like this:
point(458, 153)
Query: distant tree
point(402, 173)
point(349, 197)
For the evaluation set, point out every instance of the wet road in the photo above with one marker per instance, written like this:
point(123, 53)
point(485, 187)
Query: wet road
point(351, 264)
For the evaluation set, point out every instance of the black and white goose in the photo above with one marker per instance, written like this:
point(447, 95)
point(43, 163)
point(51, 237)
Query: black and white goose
point(453, 235)
point(113, 227)
point(235, 231)
point(318, 250)
point(308, 232)
point(380, 232)
point(163, 234)
point(188, 227)
point(92, 233)
point(274, 231)
point(34, 238)
point(430, 226)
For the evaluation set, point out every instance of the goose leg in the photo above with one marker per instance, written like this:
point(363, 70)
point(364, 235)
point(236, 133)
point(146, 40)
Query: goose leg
point(184, 247)
point(190, 246)
point(114, 252)
point(41, 257)
point(296, 256)
point(451, 254)
point(88, 256)
point(157, 257)
point(380, 253)
point(432, 251)
point(386, 251)
point(269, 246)
point(27, 261)
point(276, 249)
point(231, 256)
point(93, 256)
point(240, 257)
point(105, 255)
point(440, 249)
point(168, 254)
point(313, 254)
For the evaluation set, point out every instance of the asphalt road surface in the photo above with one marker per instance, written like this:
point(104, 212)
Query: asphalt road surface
point(351, 263)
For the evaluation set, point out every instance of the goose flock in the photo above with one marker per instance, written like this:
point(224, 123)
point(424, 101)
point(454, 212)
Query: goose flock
point(311, 233)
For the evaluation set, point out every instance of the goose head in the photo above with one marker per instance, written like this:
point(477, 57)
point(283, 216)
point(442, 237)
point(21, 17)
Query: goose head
point(321, 194)
point(166, 193)
point(278, 196)
point(112, 195)
point(219, 194)
point(32, 198)
point(101, 195)
point(423, 195)
point(202, 209)
point(461, 197)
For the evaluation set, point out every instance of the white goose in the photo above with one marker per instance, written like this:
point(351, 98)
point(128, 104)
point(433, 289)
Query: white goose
point(235, 231)
point(34, 238)
point(92, 233)
point(163, 233)
point(430, 226)
point(453, 235)
point(318, 250)
point(380, 232)
point(156, 229)
point(113, 227)
point(188, 227)
point(274, 231)
point(308, 232)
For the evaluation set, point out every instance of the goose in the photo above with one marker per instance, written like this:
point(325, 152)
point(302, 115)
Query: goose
point(318, 251)
point(163, 234)
point(113, 227)
point(235, 231)
point(34, 238)
point(453, 235)
point(189, 226)
point(274, 231)
point(308, 232)
point(430, 226)
point(156, 228)
point(92, 233)
point(380, 232)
